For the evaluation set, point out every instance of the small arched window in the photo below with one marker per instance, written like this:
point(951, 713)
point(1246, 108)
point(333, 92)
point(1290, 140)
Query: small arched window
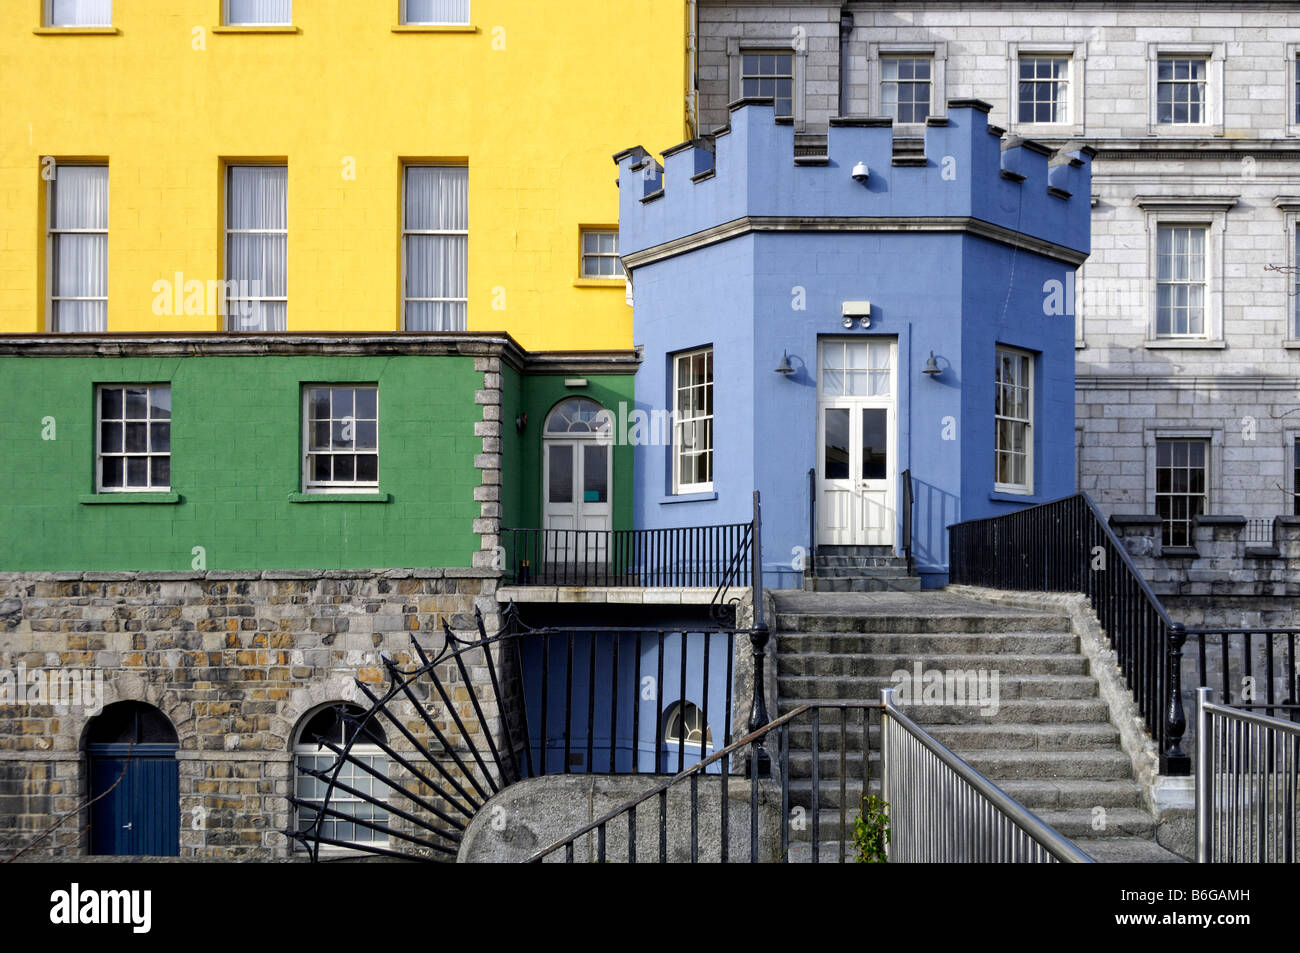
point(131, 723)
point(578, 415)
point(684, 724)
point(310, 754)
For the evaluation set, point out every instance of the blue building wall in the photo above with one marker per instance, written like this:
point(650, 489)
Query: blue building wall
point(788, 244)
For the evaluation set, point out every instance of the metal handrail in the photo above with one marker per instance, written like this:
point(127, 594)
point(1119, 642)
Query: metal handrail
point(662, 788)
point(1054, 843)
point(1149, 644)
point(1246, 785)
point(810, 565)
point(908, 504)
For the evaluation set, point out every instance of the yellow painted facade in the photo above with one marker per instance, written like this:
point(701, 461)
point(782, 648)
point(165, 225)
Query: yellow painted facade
point(535, 97)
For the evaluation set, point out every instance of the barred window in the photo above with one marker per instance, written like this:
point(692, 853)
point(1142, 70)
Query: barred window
point(1181, 481)
point(135, 438)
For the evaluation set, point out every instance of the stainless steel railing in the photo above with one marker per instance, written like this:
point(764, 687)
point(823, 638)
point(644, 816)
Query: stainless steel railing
point(953, 813)
point(1247, 774)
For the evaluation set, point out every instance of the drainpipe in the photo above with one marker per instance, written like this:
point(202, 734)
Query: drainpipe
point(846, 30)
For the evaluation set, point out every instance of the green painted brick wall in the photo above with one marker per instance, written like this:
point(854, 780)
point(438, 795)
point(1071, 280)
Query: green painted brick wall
point(236, 458)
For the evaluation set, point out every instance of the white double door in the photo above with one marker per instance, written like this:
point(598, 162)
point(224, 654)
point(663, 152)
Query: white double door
point(576, 496)
point(857, 437)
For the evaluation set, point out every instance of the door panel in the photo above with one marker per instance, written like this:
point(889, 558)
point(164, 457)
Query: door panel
point(140, 816)
point(856, 439)
point(576, 496)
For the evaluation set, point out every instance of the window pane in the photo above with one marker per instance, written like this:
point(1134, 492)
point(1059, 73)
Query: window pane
point(137, 471)
point(160, 471)
point(875, 455)
point(253, 12)
point(595, 475)
point(80, 197)
point(81, 13)
point(836, 463)
point(437, 11)
point(367, 468)
point(110, 438)
point(437, 197)
point(560, 477)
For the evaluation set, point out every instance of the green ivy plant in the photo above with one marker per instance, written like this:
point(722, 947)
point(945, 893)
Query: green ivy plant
point(871, 830)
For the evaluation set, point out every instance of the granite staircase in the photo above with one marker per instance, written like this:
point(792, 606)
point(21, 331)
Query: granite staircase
point(860, 569)
point(1050, 744)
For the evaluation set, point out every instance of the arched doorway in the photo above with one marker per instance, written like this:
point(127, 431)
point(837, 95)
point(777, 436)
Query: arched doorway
point(134, 782)
point(577, 475)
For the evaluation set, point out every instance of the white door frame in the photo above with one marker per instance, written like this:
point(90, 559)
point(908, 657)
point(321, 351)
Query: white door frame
point(577, 514)
point(857, 511)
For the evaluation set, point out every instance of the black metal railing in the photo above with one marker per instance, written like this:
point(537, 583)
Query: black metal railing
point(1250, 668)
point(810, 563)
point(908, 528)
point(781, 821)
point(680, 557)
point(1067, 546)
point(1258, 530)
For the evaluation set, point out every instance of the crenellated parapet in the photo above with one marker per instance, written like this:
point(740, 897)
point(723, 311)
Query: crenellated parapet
point(748, 169)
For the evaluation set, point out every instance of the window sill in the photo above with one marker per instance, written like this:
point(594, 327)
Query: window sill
point(1012, 496)
point(1180, 552)
point(619, 283)
point(689, 498)
point(256, 29)
point(435, 28)
point(77, 31)
point(1291, 345)
point(94, 499)
point(1194, 343)
point(340, 497)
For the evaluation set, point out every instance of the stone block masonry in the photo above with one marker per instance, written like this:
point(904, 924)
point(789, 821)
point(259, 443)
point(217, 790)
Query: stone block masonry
point(236, 661)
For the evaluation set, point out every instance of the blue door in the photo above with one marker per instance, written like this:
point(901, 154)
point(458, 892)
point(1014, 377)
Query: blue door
point(139, 812)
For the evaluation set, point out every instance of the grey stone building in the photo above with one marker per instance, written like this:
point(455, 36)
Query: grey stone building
point(1187, 328)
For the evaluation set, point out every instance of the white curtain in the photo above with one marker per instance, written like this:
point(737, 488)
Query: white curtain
point(252, 12)
point(257, 218)
point(437, 11)
point(80, 266)
point(437, 199)
point(81, 12)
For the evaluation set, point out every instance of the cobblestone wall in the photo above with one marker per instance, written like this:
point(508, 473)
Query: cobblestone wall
point(235, 661)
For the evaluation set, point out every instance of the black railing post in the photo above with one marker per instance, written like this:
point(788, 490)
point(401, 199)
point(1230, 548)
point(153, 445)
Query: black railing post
point(758, 637)
point(1172, 759)
point(810, 563)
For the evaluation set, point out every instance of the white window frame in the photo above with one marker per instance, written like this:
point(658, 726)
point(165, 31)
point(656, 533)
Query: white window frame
point(1289, 205)
point(405, 21)
point(770, 52)
point(407, 232)
point(1191, 228)
point(679, 710)
point(929, 82)
point(1209, 212)
point(124, 453)
point(778, 42)
point(620, 275)
point(51, 240)
point(1212, 124)
point(235, 314)
point(226, 21)
point(1026, 488)
point(1291, 502)
point(310, 485)
point(1076, 102)
point(47, 19)
point(679, 421)
point(306, 748)
point(938, 54)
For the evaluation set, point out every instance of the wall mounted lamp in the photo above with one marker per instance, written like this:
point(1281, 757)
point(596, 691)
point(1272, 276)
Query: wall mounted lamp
point(785, 368)
point(932, 368)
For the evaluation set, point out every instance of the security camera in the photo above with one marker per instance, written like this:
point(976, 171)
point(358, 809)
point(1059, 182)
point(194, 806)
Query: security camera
point(861, 173)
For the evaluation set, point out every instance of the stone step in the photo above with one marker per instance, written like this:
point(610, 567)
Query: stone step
point(827, 551)
point(1127, 850)
point(1002, 764)
point(858, 583)
point(807, 623)
point(829, 664)
point(888, 571)
point(833, 562)
point(828, 796)
point(1042, 794)
point(964, 739)
point(829, 764)
point(1009, 687)
point(922, 645)
point(1028, 711)
point(1117, 821)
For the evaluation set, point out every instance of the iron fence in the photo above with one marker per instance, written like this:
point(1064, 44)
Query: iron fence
point(1066, 546)
point(1246, 785)
point(1254, 668)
